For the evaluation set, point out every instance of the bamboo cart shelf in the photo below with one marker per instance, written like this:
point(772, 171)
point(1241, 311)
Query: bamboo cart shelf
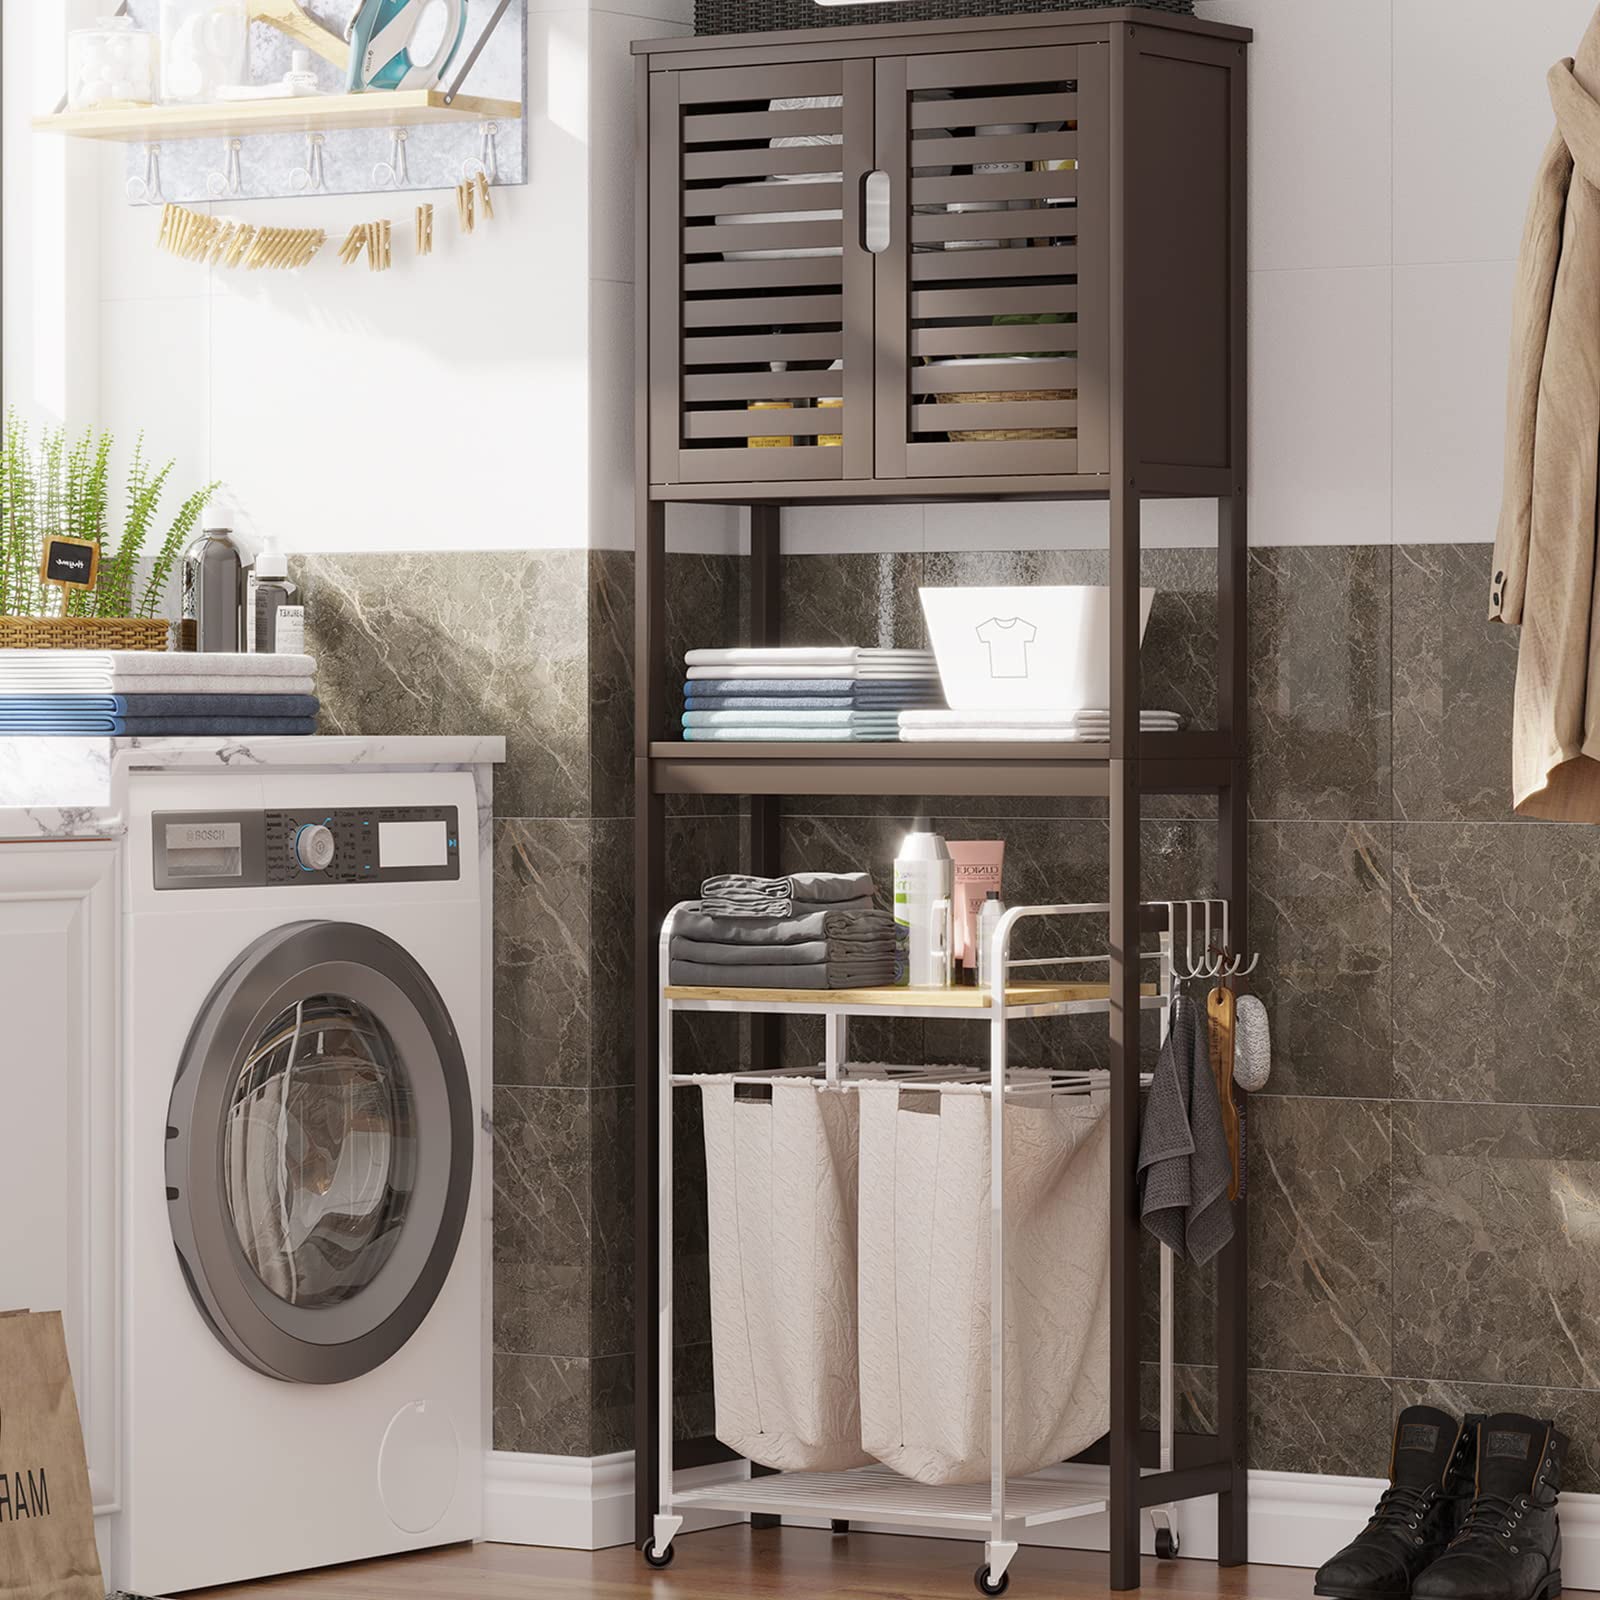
point(999, 258)
point(401, 108)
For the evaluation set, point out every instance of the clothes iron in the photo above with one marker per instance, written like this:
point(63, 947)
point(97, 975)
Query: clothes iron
point(382, 33)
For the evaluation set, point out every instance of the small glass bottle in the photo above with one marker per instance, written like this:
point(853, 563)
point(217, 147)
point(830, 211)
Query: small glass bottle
point(270, 593)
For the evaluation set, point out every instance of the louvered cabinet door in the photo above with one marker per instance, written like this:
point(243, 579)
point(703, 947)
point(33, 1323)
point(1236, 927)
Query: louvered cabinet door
point(992, 345)
point(761, 290)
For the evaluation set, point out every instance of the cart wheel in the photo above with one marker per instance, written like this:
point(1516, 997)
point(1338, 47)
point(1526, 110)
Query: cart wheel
point(985, 1586)
point(664, 1559)
point(1166, 1544)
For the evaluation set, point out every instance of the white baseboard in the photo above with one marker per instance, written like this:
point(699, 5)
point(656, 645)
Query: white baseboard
point(577, 1502)
point(1296, 1519)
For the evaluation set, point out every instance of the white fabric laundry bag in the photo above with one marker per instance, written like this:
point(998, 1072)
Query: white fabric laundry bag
point(781, 1208)
point(924, 1280)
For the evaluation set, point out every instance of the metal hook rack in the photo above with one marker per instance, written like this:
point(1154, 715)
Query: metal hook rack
point(488, 159)
point(230, 181)
point(146, 191)
point(1216, 958)
point(312, 178)
point(395, 173)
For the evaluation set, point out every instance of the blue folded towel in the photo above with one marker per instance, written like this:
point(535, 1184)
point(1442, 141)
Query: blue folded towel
point(161, 705)
point(80, 724)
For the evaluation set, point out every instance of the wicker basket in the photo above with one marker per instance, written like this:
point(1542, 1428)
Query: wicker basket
point(986, 397)
point(84, 633)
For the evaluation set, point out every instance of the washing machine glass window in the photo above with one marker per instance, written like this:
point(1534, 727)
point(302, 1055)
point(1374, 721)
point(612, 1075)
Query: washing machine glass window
point(320, 1151)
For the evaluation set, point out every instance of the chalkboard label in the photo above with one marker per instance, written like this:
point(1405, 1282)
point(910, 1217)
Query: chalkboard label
point(72, 563)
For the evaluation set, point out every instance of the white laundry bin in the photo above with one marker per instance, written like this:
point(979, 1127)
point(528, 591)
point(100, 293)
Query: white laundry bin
point(924, 1279)
point(781, 1208)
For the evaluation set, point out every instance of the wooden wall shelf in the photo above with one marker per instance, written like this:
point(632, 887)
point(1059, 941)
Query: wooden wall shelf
point(401, 108)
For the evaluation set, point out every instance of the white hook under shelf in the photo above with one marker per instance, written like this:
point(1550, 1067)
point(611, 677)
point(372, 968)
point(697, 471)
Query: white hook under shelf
point(488, 162)
point(312, 178)
point(230, 180)
point(146, 191)
point(395, 173)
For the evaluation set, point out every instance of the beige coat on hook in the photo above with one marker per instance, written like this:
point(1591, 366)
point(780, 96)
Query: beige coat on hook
point(1545, 557)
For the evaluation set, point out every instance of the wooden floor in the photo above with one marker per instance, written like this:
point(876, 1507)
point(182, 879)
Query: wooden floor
point(791, 1562)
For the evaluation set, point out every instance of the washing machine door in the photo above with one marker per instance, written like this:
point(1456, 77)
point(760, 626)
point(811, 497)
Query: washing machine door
point(319, 1152)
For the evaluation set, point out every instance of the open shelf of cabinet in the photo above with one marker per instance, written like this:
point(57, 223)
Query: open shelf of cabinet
point(400, 108)
point(1180, 763)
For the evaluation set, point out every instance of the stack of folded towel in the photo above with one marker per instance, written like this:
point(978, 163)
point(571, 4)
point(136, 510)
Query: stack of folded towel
point(154, 694)
point(836, 695)
point(812, 930)
point(1024, 727)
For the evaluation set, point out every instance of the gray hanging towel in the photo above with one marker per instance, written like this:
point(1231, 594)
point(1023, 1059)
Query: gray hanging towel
point(1184, 1166)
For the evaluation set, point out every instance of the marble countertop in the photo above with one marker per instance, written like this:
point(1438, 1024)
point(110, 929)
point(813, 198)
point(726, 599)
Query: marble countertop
point(77, 788)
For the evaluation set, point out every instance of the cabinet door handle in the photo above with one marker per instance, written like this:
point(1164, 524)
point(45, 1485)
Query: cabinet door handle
point(875, 212)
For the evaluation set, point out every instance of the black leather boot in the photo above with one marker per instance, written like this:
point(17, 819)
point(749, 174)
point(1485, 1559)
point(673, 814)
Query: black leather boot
point(1509, 1546)
point(1430, 1482)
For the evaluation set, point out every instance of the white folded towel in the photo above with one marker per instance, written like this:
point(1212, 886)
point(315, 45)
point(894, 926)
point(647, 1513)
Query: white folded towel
point(976, 735)
point(840, 670)
point(152, 672)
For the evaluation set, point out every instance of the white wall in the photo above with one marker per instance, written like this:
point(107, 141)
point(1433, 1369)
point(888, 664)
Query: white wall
point(484, 400)
point(1393, 148)
point(449, 404)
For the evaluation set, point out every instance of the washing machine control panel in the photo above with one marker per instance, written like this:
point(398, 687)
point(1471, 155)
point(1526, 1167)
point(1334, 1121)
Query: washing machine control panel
point(253, 849)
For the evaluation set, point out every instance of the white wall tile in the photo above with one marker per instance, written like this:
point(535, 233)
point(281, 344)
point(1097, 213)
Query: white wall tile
point(441, 405)
point(154, 378)
point(1452, 332)
point(1320, 147)
point(611, 452)
point(1471, 116)
point(1320, 418)
point(612, 159)
point(842, 530)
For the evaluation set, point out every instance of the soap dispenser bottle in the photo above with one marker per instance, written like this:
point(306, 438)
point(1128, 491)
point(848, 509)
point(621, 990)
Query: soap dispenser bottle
point(924, 882)
point(213, 583)
point(269, 593)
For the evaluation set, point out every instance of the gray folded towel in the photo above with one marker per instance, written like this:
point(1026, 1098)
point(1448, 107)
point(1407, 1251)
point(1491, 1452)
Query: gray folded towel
point(817, 975)
point(813, 952)
point(739, 894)
point(829, 888)
point(698, 974)
point(1184, 1166)
point(697, 924)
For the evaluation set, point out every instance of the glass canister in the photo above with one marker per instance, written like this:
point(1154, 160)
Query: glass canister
point(111, 64)
point(205, 46)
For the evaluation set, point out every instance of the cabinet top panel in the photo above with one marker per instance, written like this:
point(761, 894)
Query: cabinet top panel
point(1032, 28)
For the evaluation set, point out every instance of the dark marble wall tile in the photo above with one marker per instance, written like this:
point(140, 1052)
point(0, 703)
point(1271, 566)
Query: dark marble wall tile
point(611, 951)
point(543, 951)
point(1320, 919)
point(1496, 1275)
point(543, 1221)
point(708, 606)
point(1320, 1422)
point(1194, 1393)
point(1493, 952)
point(1320, 688)
point(462, 643)
point(611, 612)
point(562, 1405)
point(544, 1405)
point(1321, 1255)
point(1454, 674)
point(1576, 1412)
point(611, 1190)
point(853, 600)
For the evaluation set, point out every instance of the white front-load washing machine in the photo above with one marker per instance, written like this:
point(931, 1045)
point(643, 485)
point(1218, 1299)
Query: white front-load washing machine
point(303, 1283)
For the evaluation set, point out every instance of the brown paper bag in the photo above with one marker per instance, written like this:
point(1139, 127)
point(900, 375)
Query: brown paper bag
point(47, 1548)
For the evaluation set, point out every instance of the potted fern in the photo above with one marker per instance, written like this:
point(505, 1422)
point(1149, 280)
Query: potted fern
point(60, 487)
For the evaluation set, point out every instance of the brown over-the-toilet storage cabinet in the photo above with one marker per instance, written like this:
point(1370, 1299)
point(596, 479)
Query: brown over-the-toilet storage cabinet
point(989, 259)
